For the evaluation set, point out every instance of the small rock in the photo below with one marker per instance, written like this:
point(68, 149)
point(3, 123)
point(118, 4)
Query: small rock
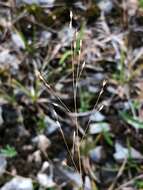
point(96, 154)
point(105, 5)
point(80, 5)
point(37, 2)
point(66, 35)
point(97, 117)
point(96, 128)
point(123, 153)
point(45, 180)
point(36, 157)
point(18, 41)
point(18, 183)
point(112, 90)
point(51, 125)
point(45, 37)
point(45, 166)
point(93, 89)
point(87, 184)
point(99, 76)
point(42, 142)
point(46, 2)
point(8, 60)
point(45, 176)
point(58, 86)
point(74, 177)
point(3, 165)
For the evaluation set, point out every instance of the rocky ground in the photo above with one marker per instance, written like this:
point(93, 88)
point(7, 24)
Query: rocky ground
point(71, 95)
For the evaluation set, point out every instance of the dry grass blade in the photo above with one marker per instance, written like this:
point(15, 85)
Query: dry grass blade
point(74, 52)
point(51, 90)
point(94, 108)
point(118, 175)
point(131, 182)
point(63, 136)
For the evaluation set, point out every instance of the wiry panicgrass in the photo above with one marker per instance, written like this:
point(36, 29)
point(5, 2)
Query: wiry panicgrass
point(77, 69)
